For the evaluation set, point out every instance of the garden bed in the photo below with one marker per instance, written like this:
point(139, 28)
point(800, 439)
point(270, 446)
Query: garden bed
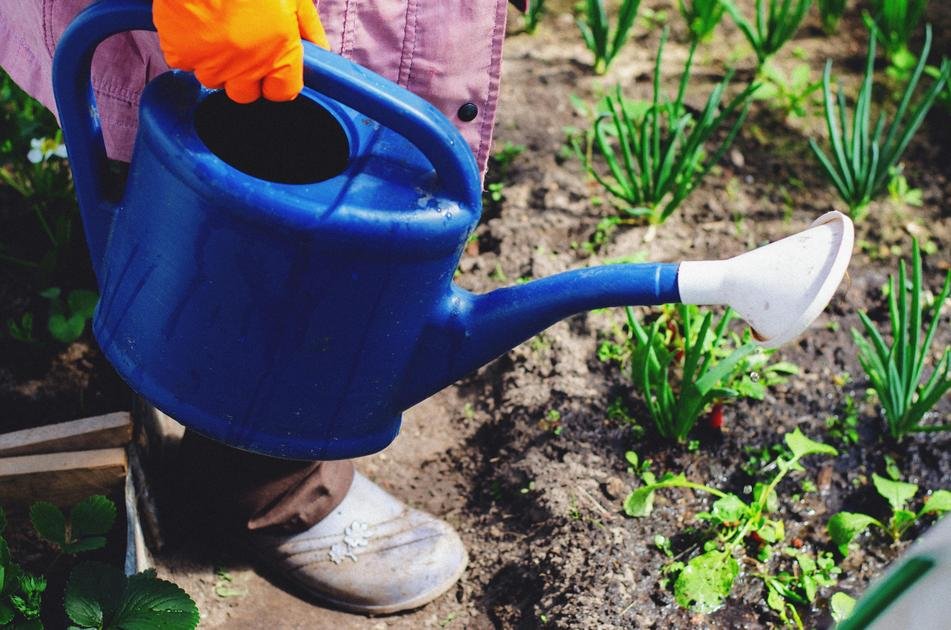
point(524, 458)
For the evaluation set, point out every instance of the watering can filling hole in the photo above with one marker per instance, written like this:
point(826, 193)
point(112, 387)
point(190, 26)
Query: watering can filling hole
point(296, 142)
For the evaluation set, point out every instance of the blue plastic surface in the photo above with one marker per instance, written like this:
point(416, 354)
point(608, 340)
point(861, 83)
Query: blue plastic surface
point(298, 320)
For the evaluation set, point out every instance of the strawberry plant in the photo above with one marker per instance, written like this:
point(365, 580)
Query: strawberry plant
point(743, 527)
point(97, 595)
point(896, 371)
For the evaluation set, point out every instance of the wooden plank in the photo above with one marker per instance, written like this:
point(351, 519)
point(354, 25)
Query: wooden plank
point(61, 478)
point(98, 432)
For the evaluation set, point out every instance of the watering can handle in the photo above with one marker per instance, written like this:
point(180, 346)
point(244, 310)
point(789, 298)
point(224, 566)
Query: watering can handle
point(76, 105)
point(407, 114)
point(331, 75)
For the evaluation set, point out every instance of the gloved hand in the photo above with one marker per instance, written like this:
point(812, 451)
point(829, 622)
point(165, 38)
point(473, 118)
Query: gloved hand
point(249, 47)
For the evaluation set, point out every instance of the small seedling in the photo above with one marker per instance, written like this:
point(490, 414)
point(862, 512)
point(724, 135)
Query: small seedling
point(799, 586)
point(22, 330)
point(896, 371)
point(796, 94)
point(68, 317)
point(702, 16)
point(603, 41)
point(863, 158)
point(85, 530)
point(831, 12)
point(901, 192)
point(655, 153)
point(843, 428)
point(534, 11)
point(845, 526)
point(776, 23)
point(706, 580)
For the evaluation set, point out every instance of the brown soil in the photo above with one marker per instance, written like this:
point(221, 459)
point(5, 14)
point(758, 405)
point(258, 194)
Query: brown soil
point(541, 513)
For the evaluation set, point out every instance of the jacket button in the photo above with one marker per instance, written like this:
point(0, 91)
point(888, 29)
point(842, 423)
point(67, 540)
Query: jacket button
point(468, 112)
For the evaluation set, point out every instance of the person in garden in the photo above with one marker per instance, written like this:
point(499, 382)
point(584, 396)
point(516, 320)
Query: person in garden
point(322, 524)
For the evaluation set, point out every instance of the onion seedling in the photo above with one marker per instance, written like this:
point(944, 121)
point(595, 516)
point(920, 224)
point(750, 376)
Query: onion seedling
point(775, 25)
point(863, 159)
point(896, 371)
point(656, 156)
point(894, 22)
point(702, 17)
point(675, 401)
point(831, 12)
point(597, 33)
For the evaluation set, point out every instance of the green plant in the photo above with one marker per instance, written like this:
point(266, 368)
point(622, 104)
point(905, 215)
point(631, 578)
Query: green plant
point(681, 364)
point(894, 22)
point(597, 32)
point(68, 317)
point(896, 371)
point(534, 10)
point(831, 12)
point(901, 191)
point(22, 330)
point(737, 526)
point(843, 527)
point(843, 428)
point(863, 159)
point(655, 152)
point(796, 93)
point(702, 17)
point(97, 595)
point(800, 584)
point(776, 23)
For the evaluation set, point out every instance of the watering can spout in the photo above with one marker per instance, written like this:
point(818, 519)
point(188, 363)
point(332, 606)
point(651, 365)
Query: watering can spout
point(779, 289)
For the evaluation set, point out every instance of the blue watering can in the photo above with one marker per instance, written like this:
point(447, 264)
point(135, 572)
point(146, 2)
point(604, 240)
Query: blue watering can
point(279, 276)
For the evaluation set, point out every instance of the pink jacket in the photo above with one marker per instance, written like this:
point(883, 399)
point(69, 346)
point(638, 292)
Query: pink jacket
point(447, 51)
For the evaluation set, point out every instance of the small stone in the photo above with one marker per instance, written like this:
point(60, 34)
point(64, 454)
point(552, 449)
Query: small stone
point(614, 488)
point(736, 158)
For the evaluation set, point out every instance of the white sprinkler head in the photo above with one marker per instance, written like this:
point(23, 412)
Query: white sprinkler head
point(780, 288)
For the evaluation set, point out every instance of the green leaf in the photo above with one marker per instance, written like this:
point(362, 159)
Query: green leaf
point(66, 330)
point(51, 293)
point(49, 522)
point(771, 531)
point(706, 581)
point(841, 606)
point(6, 614)
point(729, 510)
point(897, 493)
point(151, 604)
point(94, 594)
point(845, 526)
point(100, 596)
point(92, 516)
point(640, 502)
point(772, 501)
point(939, 502)
point(90, 543)
point(801, 446)
point(31, 589)
point(901, 520)
point(82, 302)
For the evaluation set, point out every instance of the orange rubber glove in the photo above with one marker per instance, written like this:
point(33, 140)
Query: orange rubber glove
point(249, 47)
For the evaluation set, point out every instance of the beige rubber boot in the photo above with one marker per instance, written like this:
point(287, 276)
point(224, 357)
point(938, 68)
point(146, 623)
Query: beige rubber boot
point(371, 555)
